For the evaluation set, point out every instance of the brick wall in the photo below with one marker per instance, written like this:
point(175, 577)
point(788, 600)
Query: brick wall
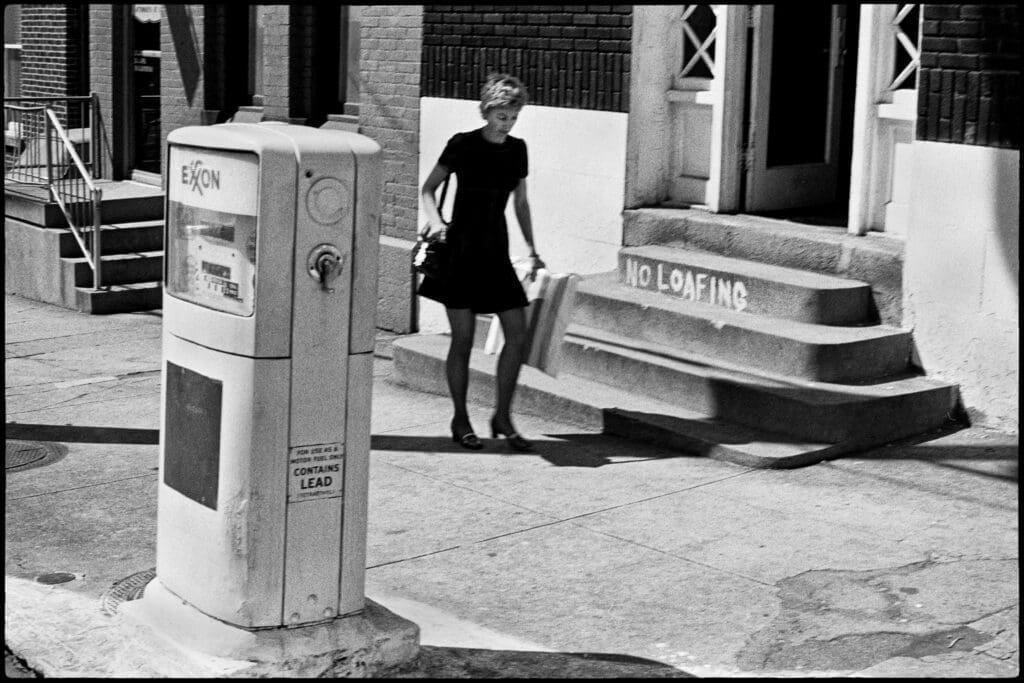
point(568, 56)
point(389, 69)
point(53, 61)
point(970, 75)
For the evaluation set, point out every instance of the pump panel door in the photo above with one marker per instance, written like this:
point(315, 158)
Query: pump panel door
point(795, 106)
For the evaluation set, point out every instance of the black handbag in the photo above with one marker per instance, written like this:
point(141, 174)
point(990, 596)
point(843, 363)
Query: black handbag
point(430, 256)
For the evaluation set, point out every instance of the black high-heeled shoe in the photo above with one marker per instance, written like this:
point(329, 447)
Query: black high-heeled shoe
point(513, 439)
point(468, 440)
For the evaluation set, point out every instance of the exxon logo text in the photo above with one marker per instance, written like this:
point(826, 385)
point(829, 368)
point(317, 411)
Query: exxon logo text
point(199, 178)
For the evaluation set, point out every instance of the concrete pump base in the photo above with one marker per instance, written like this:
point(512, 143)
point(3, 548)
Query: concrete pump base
point(353, 646)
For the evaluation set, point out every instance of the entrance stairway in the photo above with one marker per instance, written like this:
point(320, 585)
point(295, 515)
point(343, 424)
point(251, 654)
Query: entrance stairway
point(740, 338)
point(44, 262)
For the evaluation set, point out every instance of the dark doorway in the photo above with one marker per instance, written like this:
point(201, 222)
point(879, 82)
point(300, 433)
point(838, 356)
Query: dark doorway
point(835, 212)
point(228, 54)
point(144, 101)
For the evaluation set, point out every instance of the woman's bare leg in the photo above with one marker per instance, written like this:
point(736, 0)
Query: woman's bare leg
point(463, 326)
point(513, 326)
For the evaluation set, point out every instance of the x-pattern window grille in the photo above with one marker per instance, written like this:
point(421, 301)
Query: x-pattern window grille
point(906, 28)
point(699, 27)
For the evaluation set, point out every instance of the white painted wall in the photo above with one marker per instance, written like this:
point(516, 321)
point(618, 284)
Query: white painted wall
point(961, 273)
point(576, 184)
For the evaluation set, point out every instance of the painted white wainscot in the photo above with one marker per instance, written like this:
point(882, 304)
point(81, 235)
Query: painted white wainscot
point(961, 275)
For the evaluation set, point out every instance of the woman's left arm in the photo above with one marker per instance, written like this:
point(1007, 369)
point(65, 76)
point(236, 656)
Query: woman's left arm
point(522, 206)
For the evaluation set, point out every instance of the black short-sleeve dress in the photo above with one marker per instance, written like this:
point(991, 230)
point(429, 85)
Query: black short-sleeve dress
point(481, 275)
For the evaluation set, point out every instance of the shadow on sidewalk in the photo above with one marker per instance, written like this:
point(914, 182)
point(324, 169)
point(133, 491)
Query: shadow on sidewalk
point(78, 434)
point(458, 662)
point(569, 450)
point(1003, 460)
point(995, 459)
point(566, 450)
point(579, 450)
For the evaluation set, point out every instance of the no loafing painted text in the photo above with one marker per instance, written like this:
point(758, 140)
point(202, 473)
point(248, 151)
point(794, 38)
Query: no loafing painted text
point(688, 284)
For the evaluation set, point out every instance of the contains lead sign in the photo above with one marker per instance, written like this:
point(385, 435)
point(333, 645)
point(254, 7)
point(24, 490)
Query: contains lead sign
point(316, 472)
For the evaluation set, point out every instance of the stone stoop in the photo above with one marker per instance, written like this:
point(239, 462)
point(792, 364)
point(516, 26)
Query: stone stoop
point(875, 258)
point(45, 263)
point(762, 364)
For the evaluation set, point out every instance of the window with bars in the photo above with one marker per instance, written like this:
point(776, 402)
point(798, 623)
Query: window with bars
point(906, 33)
point(699, 24)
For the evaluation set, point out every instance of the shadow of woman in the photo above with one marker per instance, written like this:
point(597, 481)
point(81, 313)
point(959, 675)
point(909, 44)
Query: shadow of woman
point(458, 662)
point(561, 450)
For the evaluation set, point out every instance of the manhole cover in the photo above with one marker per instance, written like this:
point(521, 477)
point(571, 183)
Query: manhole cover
point(55, 578)
point(128, 588)
point(24, 455)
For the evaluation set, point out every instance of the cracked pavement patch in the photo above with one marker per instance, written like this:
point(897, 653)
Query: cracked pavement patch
point(851, 620)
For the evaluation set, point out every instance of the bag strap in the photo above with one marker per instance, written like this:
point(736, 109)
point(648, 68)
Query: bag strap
point(440, 204)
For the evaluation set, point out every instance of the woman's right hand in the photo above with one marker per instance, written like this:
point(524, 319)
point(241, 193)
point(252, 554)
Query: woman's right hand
point(436, 231)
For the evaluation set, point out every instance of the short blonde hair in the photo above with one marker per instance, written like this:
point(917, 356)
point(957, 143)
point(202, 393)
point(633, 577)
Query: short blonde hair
point(502, 90)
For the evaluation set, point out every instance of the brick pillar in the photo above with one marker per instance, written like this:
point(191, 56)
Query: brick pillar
point(108, 78)
point(182, 50)
point(53, 63)
point(274, 21)
point(389, 112)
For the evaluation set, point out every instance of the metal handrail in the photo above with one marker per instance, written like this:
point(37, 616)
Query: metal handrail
point(20, 127)
point(101, 141)
point(34, 122)
point(72, 195)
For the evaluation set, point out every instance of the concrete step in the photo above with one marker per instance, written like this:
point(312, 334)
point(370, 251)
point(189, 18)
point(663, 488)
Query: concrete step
point(772, 345)
point(817, 411)
point(122, 202)
point(139, 296)
point(749, 286)
point(874, 258)
point(117, 269)
point(347, 122)
point(419, 364)
point(120, 238)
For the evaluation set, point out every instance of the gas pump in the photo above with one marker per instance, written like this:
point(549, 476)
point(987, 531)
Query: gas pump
point(269, 308)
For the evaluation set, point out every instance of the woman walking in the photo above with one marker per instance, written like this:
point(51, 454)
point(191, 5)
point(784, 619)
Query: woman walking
point(490, 165)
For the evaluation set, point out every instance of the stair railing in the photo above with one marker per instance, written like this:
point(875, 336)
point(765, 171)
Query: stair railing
point(78, 198)
point(40, 151)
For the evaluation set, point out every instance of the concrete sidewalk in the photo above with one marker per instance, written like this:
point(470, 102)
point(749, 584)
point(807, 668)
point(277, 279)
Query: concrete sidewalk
point(593, 557)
